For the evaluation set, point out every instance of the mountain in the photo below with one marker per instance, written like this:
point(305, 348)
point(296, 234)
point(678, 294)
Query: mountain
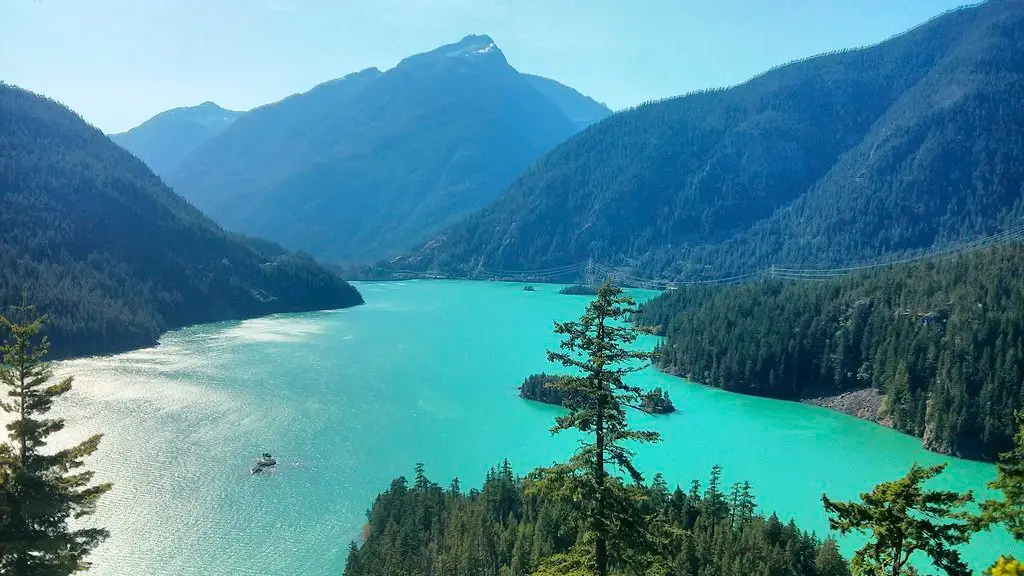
point(582, 110)
point(164, 140)
point(368, 165)
point(98, 243)
point(910, 143)
point(933, 349)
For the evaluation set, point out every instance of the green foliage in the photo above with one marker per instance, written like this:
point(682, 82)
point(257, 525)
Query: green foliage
point(41, 491)
point(111, 255)
point(516, 526)
point(942, 340)
point(578, 290)
point(1009, 510)
point(366, 166)
point(904, 518)
point(543, 388)
point(835, 159)
point(598, 346)
point(657, 401)
point(1006, 566)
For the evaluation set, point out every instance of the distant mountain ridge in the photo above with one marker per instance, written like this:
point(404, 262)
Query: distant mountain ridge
point(840, 158)
point(164, 140)
point(366, 166)
point(583, 110)
point(111, 255)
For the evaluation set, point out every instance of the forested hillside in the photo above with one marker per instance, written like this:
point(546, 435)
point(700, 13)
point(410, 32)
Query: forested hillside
point(844, 157)
point(164, 140)
point(507, 529)
point(942, 340)
point(113, 256)
point(368, 165)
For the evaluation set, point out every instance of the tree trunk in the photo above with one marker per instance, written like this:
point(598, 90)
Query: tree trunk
point(896, 564)
point(21, 376)
point(600, 540)
point(600, 551)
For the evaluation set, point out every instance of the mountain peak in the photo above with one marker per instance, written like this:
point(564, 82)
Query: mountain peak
point(473, 46)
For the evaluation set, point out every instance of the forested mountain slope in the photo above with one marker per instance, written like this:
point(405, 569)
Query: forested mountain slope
point(96, 241)
point(942, 340)
point(164, 140)
point(368, 165)
point(843, 157)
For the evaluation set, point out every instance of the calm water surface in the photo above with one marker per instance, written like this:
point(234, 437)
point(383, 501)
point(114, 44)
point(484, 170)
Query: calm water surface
point(424, 372)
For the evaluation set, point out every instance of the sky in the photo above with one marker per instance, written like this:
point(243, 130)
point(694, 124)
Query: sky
point(119, 62)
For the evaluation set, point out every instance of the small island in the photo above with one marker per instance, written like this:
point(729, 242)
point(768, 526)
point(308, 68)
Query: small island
point(529, 288)
point(538, 387)
point(579, 290)
point(657, 402)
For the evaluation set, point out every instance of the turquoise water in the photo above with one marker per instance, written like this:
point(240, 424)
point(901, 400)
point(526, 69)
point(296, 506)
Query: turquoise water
point(424, 372)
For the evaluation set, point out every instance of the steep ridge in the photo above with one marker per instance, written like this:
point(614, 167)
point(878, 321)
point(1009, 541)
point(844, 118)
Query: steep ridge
point(98, 243)
point(164, 140)
point(367, 166)
point(837, 158)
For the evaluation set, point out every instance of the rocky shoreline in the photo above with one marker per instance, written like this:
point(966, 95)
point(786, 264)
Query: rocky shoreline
point(864, 403)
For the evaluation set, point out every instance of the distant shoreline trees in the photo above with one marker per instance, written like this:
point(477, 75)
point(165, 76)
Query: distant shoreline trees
point(940, 340)
point(542, 388)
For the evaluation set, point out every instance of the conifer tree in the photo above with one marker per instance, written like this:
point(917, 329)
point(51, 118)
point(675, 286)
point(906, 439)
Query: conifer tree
point(1010, 509)
point(904, 518)
point(598, 347)
point(42, 490)
point(1010, 481)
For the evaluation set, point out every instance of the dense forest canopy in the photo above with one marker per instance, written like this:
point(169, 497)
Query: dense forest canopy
point(942, 340)
point(915, 142)
point(366, 166)
point(98, 243)
point(508, 527)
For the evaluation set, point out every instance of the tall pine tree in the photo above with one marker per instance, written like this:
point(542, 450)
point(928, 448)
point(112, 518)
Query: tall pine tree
point(42, 490)
point(598, 346)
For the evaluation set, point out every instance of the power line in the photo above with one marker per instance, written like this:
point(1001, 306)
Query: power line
point(588, 271)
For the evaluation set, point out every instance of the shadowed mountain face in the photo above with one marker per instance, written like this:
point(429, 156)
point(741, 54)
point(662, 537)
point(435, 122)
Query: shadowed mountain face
point(164, 140)
point(365, 166)
point(98, 243)
point(838, 158)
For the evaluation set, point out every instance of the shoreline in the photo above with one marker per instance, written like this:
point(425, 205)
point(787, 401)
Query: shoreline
point(862, 404)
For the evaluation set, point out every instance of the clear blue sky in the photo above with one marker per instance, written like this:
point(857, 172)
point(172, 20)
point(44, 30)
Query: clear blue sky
point(118, 62)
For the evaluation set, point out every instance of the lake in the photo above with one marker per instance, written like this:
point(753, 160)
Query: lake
point(426, 372)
